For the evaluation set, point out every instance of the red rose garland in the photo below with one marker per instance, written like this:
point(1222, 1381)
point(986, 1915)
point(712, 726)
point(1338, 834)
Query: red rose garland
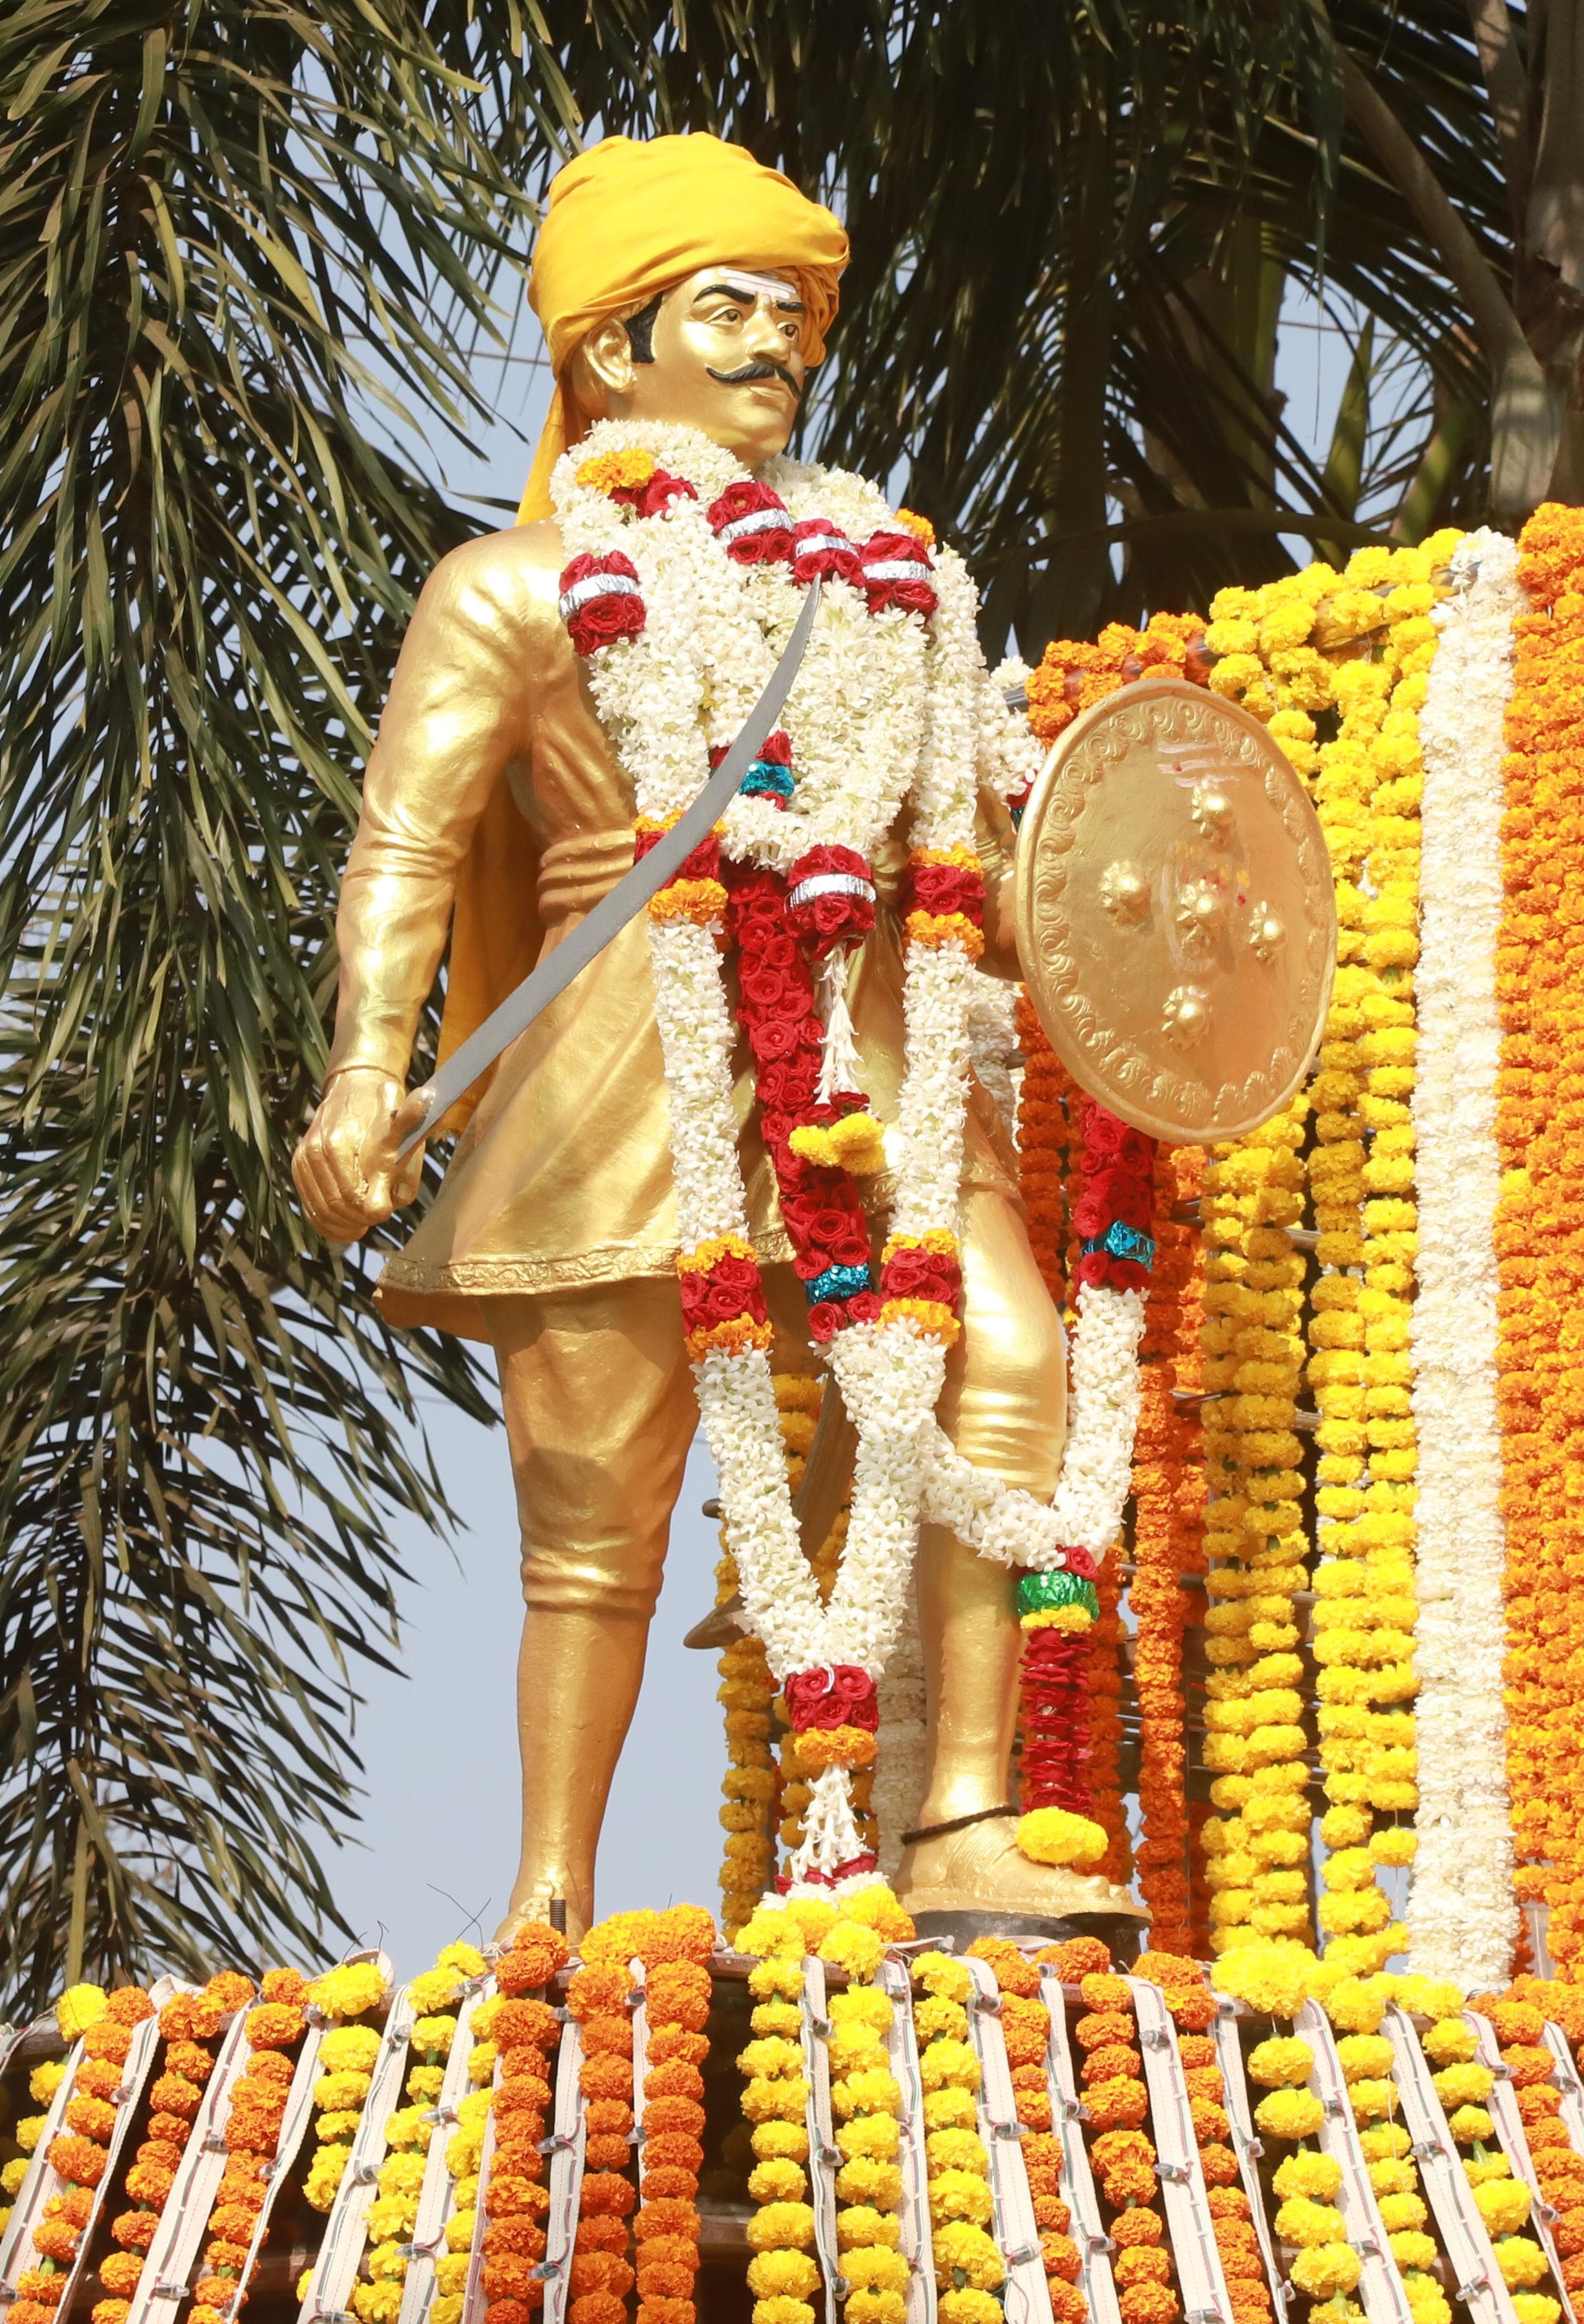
point(1112, 1216)
point(601, 601)
point(820, 1207)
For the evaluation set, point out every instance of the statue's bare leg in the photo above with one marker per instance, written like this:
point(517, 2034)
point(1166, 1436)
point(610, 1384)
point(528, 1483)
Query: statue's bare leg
point(600, 1412)
point(1005, 1409)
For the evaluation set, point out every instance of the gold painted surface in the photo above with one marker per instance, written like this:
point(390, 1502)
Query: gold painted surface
point(1175, 913)
point(562, 1177)
point(600, 1411)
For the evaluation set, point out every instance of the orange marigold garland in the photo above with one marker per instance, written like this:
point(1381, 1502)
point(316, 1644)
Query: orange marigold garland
point(1026, 2028)
point(79, 2152)
point(189, 2023)
point(1168, 1541)
point(524, 2028)
point(1120, 2149)
point(1193, 2010)
point(1072, 674)
point(675, 1954)
point(1516, 2018)
point(602, 2273)
point(1540, 1227)
point(253, 2131)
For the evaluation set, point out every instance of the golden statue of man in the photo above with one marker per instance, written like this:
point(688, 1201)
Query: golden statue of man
point(680, 284)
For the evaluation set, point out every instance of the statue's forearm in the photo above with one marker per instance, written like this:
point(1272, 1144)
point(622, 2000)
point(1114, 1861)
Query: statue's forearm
point(455, 720)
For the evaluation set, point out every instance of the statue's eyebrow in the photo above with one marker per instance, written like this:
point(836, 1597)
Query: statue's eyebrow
point(735, 286)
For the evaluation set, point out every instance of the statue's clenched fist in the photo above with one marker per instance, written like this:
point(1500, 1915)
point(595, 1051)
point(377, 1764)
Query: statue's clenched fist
point(346, 1168)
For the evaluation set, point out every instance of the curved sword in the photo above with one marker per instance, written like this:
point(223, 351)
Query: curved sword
point(595, 931)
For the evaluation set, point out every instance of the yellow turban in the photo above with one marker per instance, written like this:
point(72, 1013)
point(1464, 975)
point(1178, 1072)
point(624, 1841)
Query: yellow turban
point(625, 220)
point(628, 220)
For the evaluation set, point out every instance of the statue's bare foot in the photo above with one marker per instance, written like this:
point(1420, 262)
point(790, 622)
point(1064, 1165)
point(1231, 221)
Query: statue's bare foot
point(980, 1868)
point(532, 1901)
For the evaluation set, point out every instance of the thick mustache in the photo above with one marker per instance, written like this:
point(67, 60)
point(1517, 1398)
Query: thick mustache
point(760, 368)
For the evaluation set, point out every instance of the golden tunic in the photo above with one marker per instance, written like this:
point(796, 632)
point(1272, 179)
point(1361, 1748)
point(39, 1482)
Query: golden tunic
point(562, 1176)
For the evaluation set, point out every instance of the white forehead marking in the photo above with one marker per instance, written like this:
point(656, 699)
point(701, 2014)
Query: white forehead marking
point(758, 286)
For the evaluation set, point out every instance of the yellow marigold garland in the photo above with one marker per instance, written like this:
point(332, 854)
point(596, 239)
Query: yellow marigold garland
point(865, 2102)
point(393, 2213)
point(968, 2264)
point(346, 2061)
point(1255, 1745)
point(1276, 645)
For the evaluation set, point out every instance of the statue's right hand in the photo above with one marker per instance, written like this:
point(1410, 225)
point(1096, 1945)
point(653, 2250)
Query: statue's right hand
point(346, 1168)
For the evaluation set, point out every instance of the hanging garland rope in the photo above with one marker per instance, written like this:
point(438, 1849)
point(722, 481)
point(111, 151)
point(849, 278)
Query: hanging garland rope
point(1539, 1229)
point(1168, 1544)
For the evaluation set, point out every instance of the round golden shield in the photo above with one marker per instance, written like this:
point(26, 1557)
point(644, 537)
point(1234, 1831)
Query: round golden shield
point(1175, 914)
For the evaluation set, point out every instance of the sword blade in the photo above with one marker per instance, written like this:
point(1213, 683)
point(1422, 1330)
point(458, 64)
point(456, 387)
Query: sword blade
point(595, 931)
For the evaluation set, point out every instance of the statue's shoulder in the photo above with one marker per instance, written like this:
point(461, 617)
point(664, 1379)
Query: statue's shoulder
point(511, 578)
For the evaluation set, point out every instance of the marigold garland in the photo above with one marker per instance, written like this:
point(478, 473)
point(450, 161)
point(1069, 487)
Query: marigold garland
point(346, 2061)
point(1540, 1228)
point(1193, 2011)
point(597, 1996)
point(79, 2152)
point(1517, 2018)
point(1506, 2202)
point(675, 1953)
point(274, 2026)
point(1367, 786)
point(1026, 2029)
point(1121, 2151)
point(392, 2217)
point(849, 1936)
point(1168, 1543)
point(1255, 1542)
point(966, 2257)
point(188, 2024)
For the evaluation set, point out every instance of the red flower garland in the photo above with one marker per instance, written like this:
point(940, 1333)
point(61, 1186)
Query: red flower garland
point(601, 601)
point(1053, 1681)
point(823, 1218)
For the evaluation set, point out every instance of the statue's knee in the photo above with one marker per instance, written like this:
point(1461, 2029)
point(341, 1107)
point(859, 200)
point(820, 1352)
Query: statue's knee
point(613, 1575)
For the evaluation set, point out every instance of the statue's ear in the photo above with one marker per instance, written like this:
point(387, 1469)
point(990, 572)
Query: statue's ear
point(601, 368)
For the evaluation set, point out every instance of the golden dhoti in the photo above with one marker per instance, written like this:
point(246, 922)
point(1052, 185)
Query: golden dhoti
point(554, 1235)
point(600, 1410)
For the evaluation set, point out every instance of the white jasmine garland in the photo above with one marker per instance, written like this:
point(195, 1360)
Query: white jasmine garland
point(1097, 1465)
point(1461, 1917)
point(992, 1043)
point(890, 714)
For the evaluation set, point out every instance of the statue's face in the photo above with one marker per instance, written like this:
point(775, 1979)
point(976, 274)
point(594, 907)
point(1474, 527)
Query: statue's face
point(727, 350)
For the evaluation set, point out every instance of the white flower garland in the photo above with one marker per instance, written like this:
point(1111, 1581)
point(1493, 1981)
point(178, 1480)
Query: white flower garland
point(1097, 1466)
point(1461, 1917)
point(887, 712)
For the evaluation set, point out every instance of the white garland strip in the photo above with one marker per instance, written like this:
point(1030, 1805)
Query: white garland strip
point(1461, 1917)
point(1097, 1466)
